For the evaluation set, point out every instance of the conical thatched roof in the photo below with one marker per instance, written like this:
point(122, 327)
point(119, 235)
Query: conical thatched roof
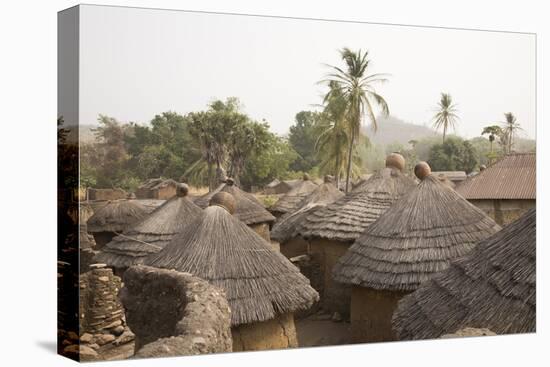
point(260, 283)
point(289, 202)
point(86, 240)
point(492, 287)
point(249, 209)
point(116, 216)
point(152, 233)
point(345, 219)
point(324, 194)
point(414, 239)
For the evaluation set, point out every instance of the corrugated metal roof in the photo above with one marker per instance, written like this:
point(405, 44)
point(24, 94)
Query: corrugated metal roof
point(513, 177)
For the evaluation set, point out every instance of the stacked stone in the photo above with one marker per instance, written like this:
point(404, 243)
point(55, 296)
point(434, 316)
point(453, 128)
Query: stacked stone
point(103, 312)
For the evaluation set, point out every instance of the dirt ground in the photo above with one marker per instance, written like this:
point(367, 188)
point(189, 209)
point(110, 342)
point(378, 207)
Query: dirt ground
point(320, 330)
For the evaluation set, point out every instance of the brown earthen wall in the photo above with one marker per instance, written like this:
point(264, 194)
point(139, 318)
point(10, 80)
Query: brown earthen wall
point(278, 333)
point(295, 247)
point(371, 314)
point(335, 297)
point(504, 212)
point(165, 193)
point(262, 229)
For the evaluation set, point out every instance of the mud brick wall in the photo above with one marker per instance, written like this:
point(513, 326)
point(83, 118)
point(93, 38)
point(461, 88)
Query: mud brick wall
point(100, 309)
point(173, 313)
point(277, 333)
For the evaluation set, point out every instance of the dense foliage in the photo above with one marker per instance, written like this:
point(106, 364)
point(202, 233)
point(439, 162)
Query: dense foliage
point(198, 145)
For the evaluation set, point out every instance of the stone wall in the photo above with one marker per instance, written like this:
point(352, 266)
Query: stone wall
point(262, 229)
point(335, 297)
point(278, 333)
point(173, 313)
point(371, 314)
point(100, 309)
point(504, 212)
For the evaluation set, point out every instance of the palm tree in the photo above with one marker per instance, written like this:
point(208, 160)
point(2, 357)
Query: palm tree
point(355, 86)
point(446, 116)
point(493, 131)
point(510, 127)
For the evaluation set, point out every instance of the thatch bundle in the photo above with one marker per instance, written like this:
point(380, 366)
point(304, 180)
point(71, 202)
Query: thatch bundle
point(324, 194)
point(152, 233)
point(259, 282)
point(290, 202)
point(116, 216)
point(345, 219)
point(249, 209)
point(493, 287)
point(415, 238)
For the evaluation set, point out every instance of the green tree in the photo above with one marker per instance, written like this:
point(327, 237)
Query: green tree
point(111, 155)
point(493, 131)
point(332, 139)
point(272, 162)
point(357, 88)
point(302, 139)
point(454, 154)
point(445, 116)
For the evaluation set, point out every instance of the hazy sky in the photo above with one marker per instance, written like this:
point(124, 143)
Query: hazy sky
point(135, 63)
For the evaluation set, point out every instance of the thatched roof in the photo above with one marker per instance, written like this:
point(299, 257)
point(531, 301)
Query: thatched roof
point(493, 287)
point(289, 202)
point(249, 209)
point(285, 227)
point(345, 219)
point(273, 183)
point(116, 216)
point(152, 233)
point(414, 239)
point(260, 283)
point(86, 240)
point(157, 183)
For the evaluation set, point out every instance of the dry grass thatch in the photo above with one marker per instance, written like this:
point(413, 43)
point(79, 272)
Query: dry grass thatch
point(345, 219)
point(151, 234)
point(290, 202)
point(86, 240)
point(414, 239)
point(260, 283)
point(285, 227)
point(493, 287)
point(249, 209)
point(116, 216)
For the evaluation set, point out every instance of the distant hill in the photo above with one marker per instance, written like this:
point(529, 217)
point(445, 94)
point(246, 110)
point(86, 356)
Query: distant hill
point(394, 130)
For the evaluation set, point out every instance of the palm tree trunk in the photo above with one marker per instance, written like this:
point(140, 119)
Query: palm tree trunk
point(337, 172)
point(444, 132)
point(209, 168)
point(348, 170)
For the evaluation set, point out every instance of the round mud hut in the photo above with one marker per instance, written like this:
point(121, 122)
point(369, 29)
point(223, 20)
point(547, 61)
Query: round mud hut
point(412, 241)
point(152, 233)
point(284, 230)
point(493, 287)
point(112, 218)
point(331, 230)
point(263, 288)
point(290, 201)
point(249, 209)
